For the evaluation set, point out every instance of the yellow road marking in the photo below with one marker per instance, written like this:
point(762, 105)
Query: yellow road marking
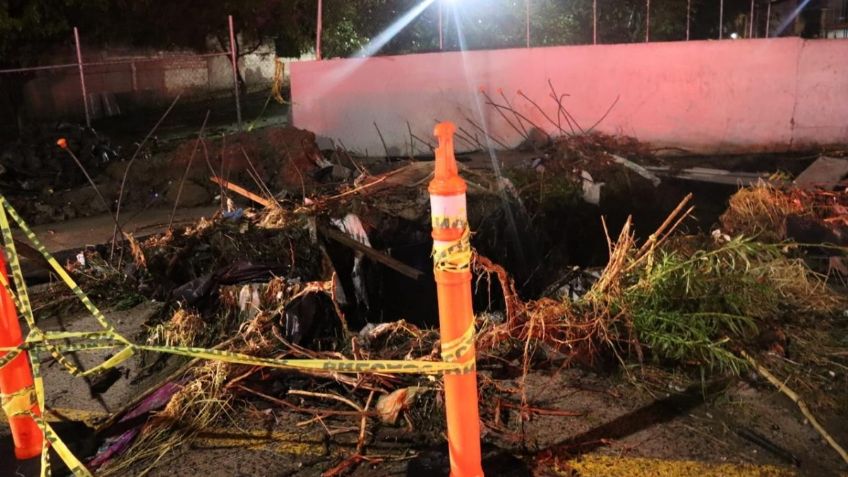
point(610, 466)
point(284, 443)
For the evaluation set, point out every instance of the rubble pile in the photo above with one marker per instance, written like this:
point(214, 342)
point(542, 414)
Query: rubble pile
point(322, 255)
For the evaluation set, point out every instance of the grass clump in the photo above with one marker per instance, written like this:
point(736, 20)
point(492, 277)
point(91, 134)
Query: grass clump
point(760, 211)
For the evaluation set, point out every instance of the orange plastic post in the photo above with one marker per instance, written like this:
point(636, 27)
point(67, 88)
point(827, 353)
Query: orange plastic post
point(16, 377)
point(452, 255)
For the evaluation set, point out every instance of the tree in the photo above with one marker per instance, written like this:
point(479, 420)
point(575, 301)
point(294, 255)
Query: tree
point(191, 23)
point(28, 31)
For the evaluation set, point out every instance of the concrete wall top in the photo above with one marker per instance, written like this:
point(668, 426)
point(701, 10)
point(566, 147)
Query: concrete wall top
point(706, 96)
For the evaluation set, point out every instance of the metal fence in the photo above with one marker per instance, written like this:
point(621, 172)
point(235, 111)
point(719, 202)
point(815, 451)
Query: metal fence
point(727, 20)
point(99, 80)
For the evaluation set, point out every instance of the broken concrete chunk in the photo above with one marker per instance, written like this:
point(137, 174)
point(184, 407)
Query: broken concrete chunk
point(591, 189)
point(637, 169)
point(826, 172)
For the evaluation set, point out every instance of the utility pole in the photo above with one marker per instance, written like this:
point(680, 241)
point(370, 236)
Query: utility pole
point(647, 21)
point(82, 78)
point(527, 21)
point(688, 17)
point(441, 28)
point(594, 22)
point(234, 60)
point(751, 21)
point(768, 18)
point(720, 19)
point(319, 25)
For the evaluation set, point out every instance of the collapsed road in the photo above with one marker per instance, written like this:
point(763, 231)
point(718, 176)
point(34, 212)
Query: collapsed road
point(655, 331)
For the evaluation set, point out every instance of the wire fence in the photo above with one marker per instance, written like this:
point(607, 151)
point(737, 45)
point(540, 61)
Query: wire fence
point(92, 87)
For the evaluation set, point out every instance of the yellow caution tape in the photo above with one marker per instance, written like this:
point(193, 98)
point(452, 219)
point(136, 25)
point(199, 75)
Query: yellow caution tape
point(444, 222)
point(329, 365)
point(453, 350)
point(19, 402)
point(60, 271)
point(21, 300)
point(455, 256)
point(11, 353)
point(50, 437)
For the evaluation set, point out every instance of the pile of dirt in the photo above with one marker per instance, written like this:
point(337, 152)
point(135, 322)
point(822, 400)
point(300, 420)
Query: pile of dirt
point(284, 158)
point(46, 185)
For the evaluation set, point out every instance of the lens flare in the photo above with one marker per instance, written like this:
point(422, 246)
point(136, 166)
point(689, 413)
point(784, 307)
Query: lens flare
point(386, 35)
point(791, 18)
point(512, 227)
point(370, 49)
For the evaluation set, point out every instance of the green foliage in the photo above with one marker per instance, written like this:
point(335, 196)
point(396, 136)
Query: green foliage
point(560, 23)
point(193, 23)
point(545, 195)
point(342, 35)
point(689, 308)
point(30, 28)
point(129, 301)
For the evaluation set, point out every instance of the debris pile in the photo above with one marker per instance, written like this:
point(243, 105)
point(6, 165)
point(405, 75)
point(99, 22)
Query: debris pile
point(773, 214)
point(321, 258)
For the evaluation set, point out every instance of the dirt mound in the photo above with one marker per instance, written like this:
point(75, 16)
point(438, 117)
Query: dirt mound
point(285, 159)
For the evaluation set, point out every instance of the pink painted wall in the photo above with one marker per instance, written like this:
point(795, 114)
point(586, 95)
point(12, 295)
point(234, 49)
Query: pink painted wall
point(706, 96)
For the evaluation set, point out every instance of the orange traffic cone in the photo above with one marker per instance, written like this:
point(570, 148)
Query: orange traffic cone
point(16, 383)
point(452, 260)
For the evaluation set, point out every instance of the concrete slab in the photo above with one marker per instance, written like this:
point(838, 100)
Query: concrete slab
point(825, 172)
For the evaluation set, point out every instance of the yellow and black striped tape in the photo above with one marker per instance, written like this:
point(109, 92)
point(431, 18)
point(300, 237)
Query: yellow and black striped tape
point(455, 256)
point(445, 222)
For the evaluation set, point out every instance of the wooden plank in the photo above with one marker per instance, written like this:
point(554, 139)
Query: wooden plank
point(242, 191)
point(373, 254)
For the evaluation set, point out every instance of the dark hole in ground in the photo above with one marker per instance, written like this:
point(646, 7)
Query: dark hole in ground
point(535, 251)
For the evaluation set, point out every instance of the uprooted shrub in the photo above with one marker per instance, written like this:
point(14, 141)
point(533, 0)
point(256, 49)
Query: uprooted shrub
point(698, 307)
point(673, 302)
